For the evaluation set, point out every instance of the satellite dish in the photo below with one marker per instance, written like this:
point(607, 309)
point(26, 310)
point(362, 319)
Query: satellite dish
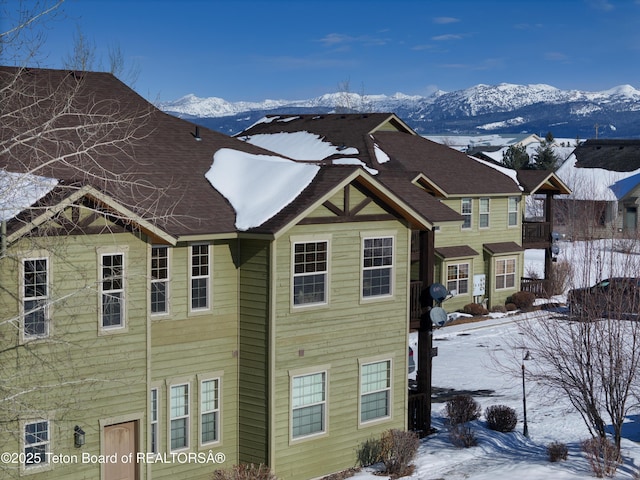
point(438, 292)
point(438, 316)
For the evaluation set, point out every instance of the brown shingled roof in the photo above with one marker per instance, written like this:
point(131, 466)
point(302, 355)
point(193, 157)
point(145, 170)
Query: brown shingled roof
point(458, 251)
point(502, 247)
point(160, 174)
point(614, 155)
point(452, 171)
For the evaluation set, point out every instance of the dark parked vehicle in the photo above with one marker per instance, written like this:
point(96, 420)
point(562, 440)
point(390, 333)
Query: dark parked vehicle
point(614, 298)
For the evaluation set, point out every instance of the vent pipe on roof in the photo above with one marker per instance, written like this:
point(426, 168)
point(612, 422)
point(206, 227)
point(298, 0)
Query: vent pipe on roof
point(197, 134)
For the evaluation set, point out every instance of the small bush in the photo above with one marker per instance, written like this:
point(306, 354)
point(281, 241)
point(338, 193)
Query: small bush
point(561, 272)
point(474, 309)
point(245, 471)
point(462, 436)
point(499, 309)
point(522, 300)
point(603, 456)
point(461, 409)
point(557, 451)
point(501, 418)
point(369, 452)
point(399, 448)
point(511, 307)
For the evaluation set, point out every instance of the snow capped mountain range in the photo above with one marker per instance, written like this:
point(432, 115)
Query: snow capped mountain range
point(503, 108)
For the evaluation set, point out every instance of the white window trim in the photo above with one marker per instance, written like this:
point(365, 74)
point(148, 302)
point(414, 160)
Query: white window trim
point(516, 211)
point(469, 278)
point(464, 215)
point(208, 277)
point(166, 281)
point(206, 378)
point(47, 465)
point(155, 422)
point(376, 235)
point(310, 239)
point(361, 393)
point(172, 385)
point(481, 213)
point(301, 373)
point(102, 252)
point(515, 273)
point(47, 309)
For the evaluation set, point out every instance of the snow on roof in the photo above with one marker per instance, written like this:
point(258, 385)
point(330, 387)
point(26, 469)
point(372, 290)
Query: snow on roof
point(258, 186)
point(597, 183)
point(381, 156)
point(504, 170)
point(354, 161)
point(19, 191)
point(298, 145)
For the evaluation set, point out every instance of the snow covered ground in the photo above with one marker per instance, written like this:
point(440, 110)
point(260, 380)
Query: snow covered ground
point(466, 360)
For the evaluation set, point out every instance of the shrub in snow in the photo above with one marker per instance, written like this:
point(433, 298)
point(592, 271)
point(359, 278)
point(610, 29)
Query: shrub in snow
point(245, 471)
point(474, 309)
point(510, 307)
point(461, 409)
point(557, 451)
point(399, 448)
point(369, 452)
point(561, 273)
point(603, 456)
point(499, 309)
point(462, 436)
point(501, 418)
point(522, 300)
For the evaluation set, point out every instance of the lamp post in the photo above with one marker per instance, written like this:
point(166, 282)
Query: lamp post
point(525, 430)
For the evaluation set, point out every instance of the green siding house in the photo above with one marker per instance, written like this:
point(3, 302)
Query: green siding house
point(476, 207)
point(175, 301)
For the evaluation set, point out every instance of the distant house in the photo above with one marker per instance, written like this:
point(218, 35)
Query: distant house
point(604, 176)
point(490, 142)
point(186, 295)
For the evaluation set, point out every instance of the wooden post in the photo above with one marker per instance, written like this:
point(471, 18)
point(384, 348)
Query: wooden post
point(425, 332)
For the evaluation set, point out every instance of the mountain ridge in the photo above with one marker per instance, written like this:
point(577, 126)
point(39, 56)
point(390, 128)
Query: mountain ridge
point(502, 108)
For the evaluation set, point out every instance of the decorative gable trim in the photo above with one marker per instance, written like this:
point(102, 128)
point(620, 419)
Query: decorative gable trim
point(105, 202)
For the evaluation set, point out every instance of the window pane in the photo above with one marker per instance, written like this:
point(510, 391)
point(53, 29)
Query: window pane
point(199, 292)
point(35, 321)
point(374, 405)
point(158, 297)
point(308, 420)
point(112, 310)
point(36, 443)
point(209, 427)
point(178, 433)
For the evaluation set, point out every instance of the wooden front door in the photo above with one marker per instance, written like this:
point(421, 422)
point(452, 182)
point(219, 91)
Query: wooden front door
point(121, 440)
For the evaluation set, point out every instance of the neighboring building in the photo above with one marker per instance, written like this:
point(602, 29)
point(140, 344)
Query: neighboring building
point(604, 176)
point(478, 226)
point(185, 293)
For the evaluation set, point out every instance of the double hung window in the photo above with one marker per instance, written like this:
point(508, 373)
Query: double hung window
point(308, 398)
point(35, 298)
point(112, 290)
point(377, 267)
point(375, 391)
point(310, 271)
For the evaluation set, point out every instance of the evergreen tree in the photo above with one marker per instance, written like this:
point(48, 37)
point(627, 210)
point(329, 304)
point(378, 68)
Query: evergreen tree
point(545, 158)
point(516, 157)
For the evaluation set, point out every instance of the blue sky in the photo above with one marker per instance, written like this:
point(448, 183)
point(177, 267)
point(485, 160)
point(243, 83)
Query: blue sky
point(298, 49)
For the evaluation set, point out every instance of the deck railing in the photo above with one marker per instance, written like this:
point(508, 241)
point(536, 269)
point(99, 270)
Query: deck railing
point(536, 232)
